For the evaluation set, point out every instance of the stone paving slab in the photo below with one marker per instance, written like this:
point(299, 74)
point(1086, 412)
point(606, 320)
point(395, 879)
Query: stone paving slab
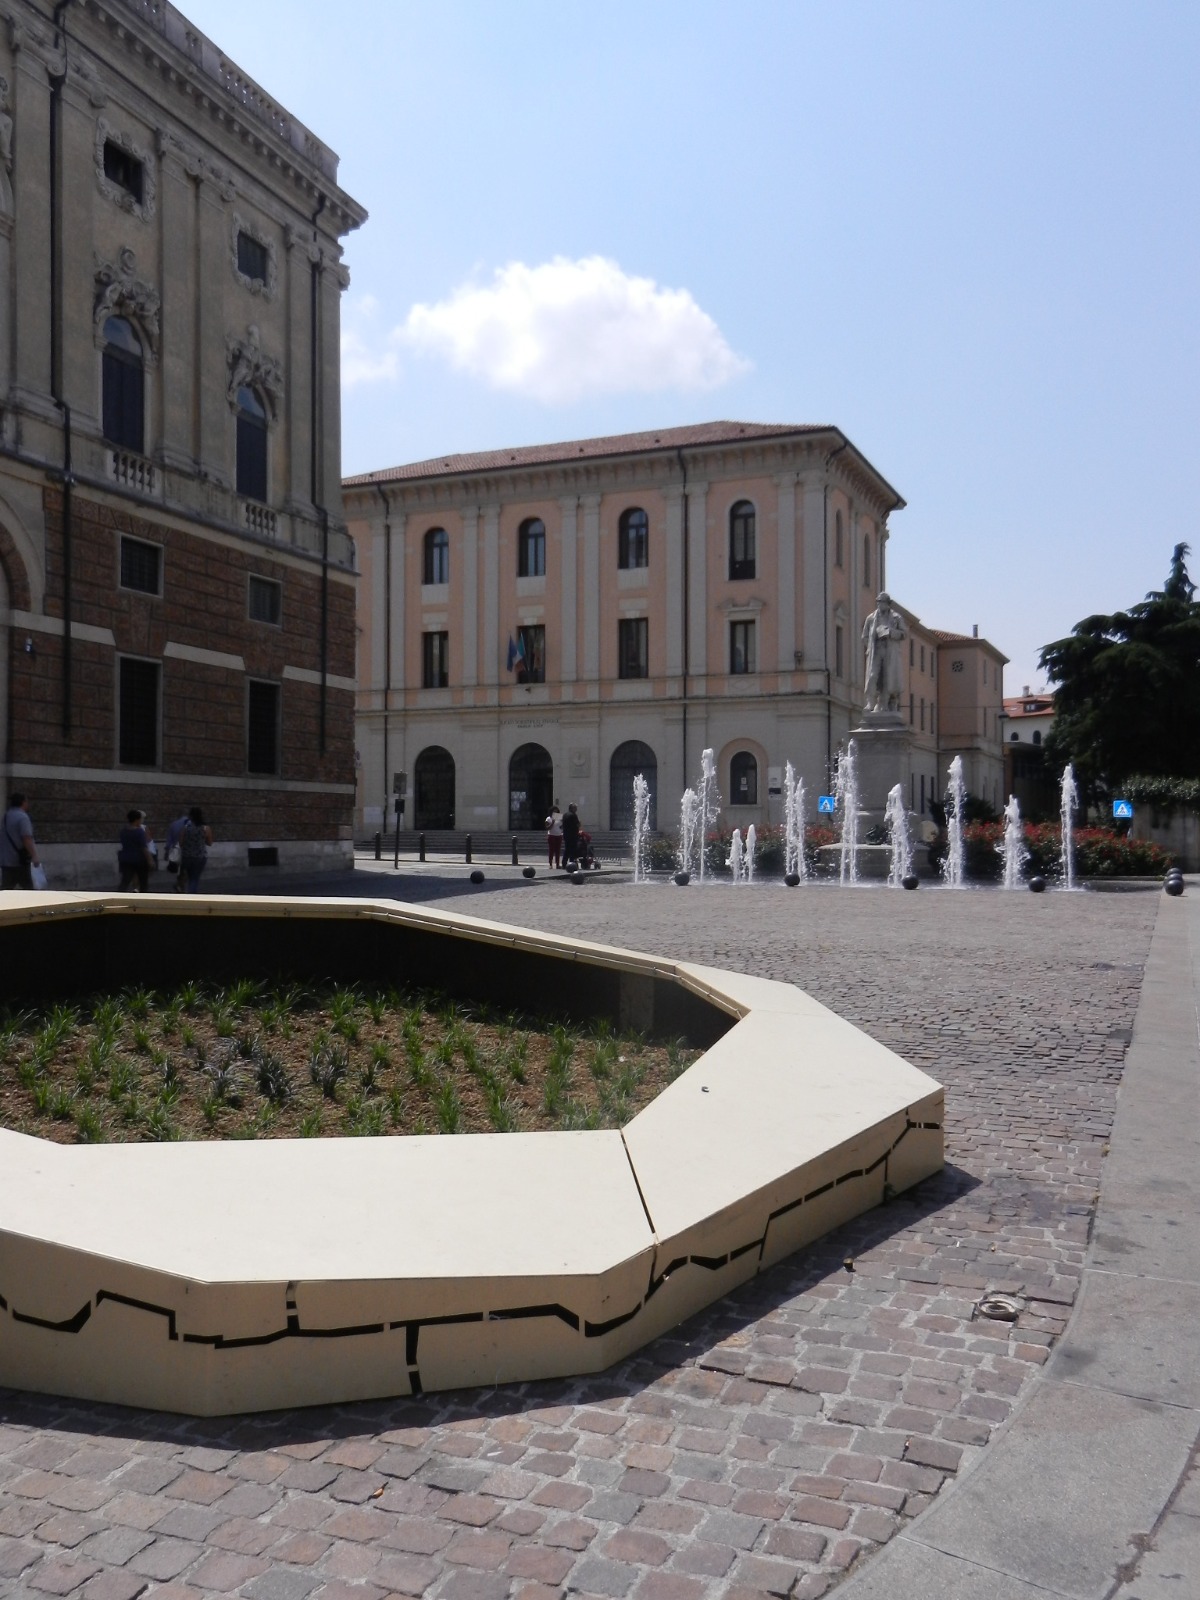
point(772, 1444)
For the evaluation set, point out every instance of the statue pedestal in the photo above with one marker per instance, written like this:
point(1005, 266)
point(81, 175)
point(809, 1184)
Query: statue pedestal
point(883, 745)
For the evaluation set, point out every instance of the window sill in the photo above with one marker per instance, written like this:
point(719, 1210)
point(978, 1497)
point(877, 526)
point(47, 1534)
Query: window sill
point(133, 472)
point(531, 586)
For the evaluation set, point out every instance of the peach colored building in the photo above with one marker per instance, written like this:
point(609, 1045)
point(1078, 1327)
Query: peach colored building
point(543, 623)
point(971, 711)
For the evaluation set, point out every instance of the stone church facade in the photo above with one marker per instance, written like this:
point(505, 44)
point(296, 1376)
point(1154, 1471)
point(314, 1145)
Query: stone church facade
point(177, 583)
point(545, 622)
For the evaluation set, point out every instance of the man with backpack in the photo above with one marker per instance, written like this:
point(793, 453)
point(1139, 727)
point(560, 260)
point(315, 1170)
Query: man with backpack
point(193, 849)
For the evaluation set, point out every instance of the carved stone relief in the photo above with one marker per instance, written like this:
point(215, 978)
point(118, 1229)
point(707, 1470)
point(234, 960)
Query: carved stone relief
point(121, 293)
point(105, 133)
point(251, 367)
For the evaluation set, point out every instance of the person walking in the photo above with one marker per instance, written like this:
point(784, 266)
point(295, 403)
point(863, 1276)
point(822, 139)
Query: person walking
point(570, 827)
point(134, 857)
point(18, 850)
point(193, 849)
point(554, 835)
point(174, 835)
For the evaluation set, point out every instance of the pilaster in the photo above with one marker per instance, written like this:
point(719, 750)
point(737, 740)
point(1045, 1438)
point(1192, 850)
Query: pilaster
point(395, 606)
point(570, 588)
point(31, 208)
point(214, 449)
point(296, 433)
point(698, 579)
point(470, 596)
point(673, 543)
point(490, 674)
point(785, 596)
point(814, 574)
point(591, 591)
point(180, 356)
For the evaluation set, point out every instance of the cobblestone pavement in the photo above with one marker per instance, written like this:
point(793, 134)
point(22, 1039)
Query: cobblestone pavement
point(763, 1448)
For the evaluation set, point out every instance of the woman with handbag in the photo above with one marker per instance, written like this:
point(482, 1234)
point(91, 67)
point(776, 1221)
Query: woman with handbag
point(135, 857)
point(20, 866)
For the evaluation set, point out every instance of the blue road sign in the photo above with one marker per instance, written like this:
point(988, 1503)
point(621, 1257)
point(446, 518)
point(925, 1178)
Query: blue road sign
point(1123, 810)
point(827, 802)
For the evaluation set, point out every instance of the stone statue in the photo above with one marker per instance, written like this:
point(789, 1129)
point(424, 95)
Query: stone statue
point(882, 634)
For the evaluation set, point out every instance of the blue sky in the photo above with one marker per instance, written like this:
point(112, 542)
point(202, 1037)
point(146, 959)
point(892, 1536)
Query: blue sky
point(965, 234)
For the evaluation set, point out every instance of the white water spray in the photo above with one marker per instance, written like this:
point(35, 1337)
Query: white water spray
point(1013, 847)
point(737, 860)
point(641, 829)
point(709, 803)
point(794, 859)
point(846, 789)
point(896, 817)
point(751, 847)
point(956, 801)
point(1069, 800)
point(689, 815)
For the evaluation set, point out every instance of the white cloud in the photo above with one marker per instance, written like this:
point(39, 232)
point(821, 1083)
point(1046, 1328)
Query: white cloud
point(368, 356)
point(563, 330)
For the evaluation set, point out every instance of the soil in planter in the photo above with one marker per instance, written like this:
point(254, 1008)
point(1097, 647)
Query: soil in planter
point(248, 1062)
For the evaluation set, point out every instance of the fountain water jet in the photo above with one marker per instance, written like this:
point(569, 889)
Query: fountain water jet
point(1013, 848)
point(956, 801)
point(709, 802)
point(751, 847)
point(794, 860)
point(737, 860)
point(689, 814)
point(641, 829)
point(1068, 802)
point(896, 816)
point(846, 790)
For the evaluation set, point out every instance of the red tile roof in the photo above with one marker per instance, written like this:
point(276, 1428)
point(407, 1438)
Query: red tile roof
point(617, 444)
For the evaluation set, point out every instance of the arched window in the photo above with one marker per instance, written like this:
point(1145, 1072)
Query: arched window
point(123, 386)
point(867, 559)
point(633, 538)
point(628, 761)
point(839, 553)
point(1037, 736)
point(741, 540)
point(251, 445)
point(530, 786)
point(743, 779)
point(531, 549)
point(433, 789)
point(437, 556)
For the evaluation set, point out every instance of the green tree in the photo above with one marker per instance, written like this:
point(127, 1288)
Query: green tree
point(1127, 701)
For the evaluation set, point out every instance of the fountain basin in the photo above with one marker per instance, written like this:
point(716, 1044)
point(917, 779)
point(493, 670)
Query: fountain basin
point(213, 1278)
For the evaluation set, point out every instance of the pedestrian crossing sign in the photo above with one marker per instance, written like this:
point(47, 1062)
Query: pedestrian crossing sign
point(827, 803)
point(1123, 810)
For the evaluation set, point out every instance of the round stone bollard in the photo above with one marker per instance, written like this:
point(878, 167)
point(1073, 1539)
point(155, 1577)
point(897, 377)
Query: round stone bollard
point(683, 879)
point(477, 876)
point(1174, 886)
point(578, 877)
point(911, 882)
point(1038, 885)
point(529, 872)
point(792, 879)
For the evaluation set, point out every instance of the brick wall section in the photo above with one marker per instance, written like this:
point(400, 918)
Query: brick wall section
point(203, 605)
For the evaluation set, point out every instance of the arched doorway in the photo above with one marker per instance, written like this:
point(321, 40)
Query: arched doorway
point(530, 787)
point(433, 789)
point(628, 760)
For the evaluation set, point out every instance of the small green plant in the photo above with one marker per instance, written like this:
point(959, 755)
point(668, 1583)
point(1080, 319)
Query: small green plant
point(85, 1074)
point(132, 1109)
point(137, 1003)
point(169, 1015)
point(443, 1052)
point(159, 1127)
point(377, 1007)
point(62, 1106)
point(328, 1064)
point(224, 1076)
point(223, 1020)
point(343, 1008)
point(500, 1112)
point(677, 1056)
point(189, 995)
point(310, 1125)
point(396, 1105)
point(141, 1038)
point(43, 1094)
point(122, 1079)
point(88, 1127)
point(366, 1120)
point(368, 1076)
point(210, 1109)
point(274, 1080)
point(29, 1071)
point(187, 1037)
point(168, 1094)
point(242, 993)
point(448, 1107)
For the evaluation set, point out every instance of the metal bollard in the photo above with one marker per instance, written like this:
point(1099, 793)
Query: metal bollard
point(421, 847)
point(468, 849)
point(379, 847)
point(515, 861)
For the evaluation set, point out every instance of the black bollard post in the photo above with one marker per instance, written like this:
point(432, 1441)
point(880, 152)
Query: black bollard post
point(396, 855)
point(515, 862)
point(468, 849)
point(421, 847)
point(379, 846)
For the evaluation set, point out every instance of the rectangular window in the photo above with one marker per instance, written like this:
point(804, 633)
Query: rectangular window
point(922, 714)
point(141, 566)
point(532, 667)
point(741, 648)
point(922, 658)
point(435, 660)
point(911, 710)
point(123, 169)
point(252, 258)
point(122, 398)
point(138, 689)
point(262, 727)
point(910, 652)
point(252, 457)
point(837, 652)
point(531, 549)
point(265, 601)
point(633, 648)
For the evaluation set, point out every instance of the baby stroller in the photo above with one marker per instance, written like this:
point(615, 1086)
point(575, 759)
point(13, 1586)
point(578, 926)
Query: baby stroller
point(585, 859)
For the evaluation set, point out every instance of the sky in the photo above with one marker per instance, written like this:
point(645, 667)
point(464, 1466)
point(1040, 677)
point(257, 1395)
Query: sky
point(967, 235)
